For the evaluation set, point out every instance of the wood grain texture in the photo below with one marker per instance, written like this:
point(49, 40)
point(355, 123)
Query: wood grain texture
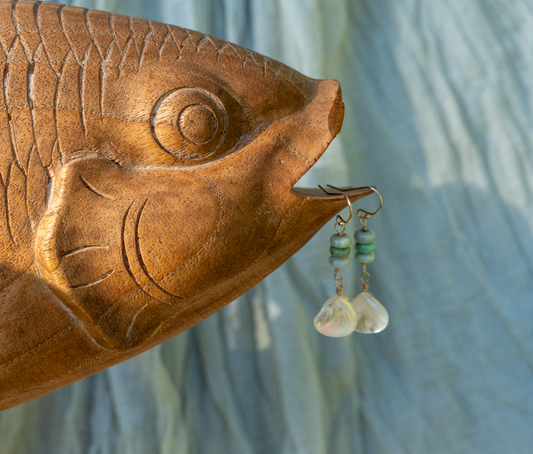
point(146, 175)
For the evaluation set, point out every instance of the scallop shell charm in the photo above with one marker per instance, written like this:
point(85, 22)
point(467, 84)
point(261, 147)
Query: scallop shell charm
point(372, 317)
point(336, 318)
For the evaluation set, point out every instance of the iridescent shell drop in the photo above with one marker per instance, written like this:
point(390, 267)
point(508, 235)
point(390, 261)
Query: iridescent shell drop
point(336, 318)
point(372, 317)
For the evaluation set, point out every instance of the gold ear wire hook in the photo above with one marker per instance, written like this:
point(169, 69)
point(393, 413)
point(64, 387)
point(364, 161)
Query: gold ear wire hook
point(339, 219)
point(366, 213)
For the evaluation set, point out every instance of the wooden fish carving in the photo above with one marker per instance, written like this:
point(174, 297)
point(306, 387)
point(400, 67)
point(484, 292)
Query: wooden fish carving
point(146, 180)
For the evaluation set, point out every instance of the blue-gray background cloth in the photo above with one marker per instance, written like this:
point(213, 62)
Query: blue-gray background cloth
point(439, 118)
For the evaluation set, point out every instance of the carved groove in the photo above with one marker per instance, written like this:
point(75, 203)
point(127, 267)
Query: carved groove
point(132, 323)
point(139, 255)
point(90, 188)
point(126, 259)
point(82, 249)
point(6, 195)
point(90, 32)
point(97, 281)
point(81, 85)
point(62, 25)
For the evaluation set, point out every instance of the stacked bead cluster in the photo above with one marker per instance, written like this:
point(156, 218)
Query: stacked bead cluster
point(340, 250)
point(365, 245)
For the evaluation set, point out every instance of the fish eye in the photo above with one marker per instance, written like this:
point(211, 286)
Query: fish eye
point(189, 123)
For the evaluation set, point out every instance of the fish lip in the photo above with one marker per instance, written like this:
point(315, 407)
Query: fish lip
point(317, 194)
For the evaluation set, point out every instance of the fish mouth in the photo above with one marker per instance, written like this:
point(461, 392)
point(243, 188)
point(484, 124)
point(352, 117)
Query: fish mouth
point(321, 197)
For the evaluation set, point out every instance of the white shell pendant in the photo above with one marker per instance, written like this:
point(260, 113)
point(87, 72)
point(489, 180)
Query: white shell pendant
point(336, 318)
point(372, 317)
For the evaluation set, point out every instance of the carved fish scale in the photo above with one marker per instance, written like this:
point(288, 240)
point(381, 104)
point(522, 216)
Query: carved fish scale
point(146, 176)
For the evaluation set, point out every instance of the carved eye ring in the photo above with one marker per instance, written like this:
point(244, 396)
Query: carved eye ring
point(189, 123)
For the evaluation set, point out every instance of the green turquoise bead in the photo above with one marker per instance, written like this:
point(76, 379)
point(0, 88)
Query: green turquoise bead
point(339, 262)
point(365, 248)
point(365, 258)
point(340, 241)
point(365, 236)
point(339, 252)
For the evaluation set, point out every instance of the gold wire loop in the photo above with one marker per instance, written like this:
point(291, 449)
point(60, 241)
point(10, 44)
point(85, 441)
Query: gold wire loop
point(366, 214)
point(362, 214)
point(339, 282)
point(339, 219)
point(343, 225)
point(364, 278)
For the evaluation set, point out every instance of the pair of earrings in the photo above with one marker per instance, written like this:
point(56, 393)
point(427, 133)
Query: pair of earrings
point(339, 316)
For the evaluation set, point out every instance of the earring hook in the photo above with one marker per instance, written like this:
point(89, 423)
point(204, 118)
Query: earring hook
point(343, 191)
point(339, 219)
point(366, 213)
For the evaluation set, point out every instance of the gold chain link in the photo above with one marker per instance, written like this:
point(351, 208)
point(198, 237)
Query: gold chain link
point(364, 278)
point(339, 282)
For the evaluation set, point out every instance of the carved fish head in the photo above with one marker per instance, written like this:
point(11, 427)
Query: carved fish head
point(148, 176)
point(187, 199)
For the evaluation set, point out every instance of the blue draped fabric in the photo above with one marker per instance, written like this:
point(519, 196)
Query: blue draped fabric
point(439, 118)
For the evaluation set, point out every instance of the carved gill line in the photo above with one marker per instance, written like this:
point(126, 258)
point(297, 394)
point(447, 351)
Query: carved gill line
point(139, 255)
point(90, 188)
point(82, 249)
point(97, 281)
point(134, 318)
point(126, 260)
point(123, 243)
